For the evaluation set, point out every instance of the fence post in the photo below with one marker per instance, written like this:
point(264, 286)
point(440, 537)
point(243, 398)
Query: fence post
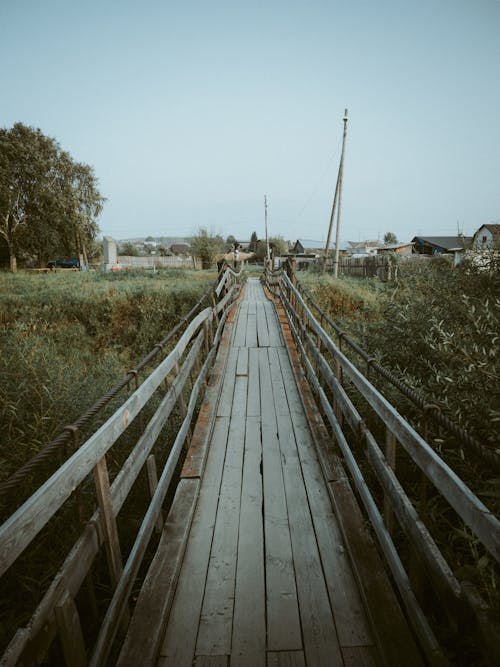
point(153, 483)
point(390, 456)
point(70, 632)
point(109, 529)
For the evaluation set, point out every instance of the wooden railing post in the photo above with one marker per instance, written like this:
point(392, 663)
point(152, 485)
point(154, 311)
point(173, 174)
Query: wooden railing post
point(390, 456)
point(153, 484)
point(108, 520)
point(70, 632)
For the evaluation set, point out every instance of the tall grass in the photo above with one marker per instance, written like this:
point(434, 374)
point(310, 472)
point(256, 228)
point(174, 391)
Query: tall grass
point(67, 338)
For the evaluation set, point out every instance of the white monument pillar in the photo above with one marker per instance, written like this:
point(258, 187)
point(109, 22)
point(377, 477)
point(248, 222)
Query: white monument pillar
point(110, 254)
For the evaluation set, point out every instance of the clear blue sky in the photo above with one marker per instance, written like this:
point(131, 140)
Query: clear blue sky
point(190, 111)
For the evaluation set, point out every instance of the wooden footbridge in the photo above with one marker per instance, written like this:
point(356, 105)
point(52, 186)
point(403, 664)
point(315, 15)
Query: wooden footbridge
point(262, 543)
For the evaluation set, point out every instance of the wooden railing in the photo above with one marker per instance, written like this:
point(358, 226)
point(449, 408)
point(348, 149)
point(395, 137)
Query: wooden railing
point(335, 379)
point(57, 613)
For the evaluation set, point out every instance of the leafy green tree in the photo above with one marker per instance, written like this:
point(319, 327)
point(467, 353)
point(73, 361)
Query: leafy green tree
point(129, 249)
point(278, 245)
point(390, 238)
point(206, 246)
point(48, 202)
point(253, 242)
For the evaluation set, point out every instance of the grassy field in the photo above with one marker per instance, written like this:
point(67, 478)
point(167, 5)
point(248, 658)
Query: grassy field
point(67, 337)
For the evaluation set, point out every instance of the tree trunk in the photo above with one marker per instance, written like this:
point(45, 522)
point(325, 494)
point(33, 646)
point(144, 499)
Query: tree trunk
point(13, 262)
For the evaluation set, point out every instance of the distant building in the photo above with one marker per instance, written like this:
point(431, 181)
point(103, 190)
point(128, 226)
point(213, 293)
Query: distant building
point(363, 248)
point(310, 247)
point(398, 248)
point(437, 245)
point(180, 248)
point(487, 237)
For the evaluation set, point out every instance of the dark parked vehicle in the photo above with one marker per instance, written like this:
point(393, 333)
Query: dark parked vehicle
point(63, 264)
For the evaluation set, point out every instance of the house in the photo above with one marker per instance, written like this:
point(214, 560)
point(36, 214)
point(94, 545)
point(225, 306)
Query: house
point(487, 237)
point(180, 248)
point(364, 248)
point(399, 248)
point(437, 245)
point(307, 247)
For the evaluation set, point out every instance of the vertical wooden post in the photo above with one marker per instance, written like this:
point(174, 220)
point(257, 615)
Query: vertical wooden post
point(206, 337)
point(108, 520)
point(70, 632)
point(153, 483)
point(109, 528)
point(182, 405)
point(390, 455)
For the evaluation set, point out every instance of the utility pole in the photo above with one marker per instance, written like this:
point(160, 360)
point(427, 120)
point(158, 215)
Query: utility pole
point(336, 199)
point(265, 222)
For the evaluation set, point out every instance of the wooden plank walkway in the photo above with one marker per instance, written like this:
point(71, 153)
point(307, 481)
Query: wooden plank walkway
point(265, 578)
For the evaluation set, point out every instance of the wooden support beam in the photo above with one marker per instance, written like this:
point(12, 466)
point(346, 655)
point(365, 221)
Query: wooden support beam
point(153, 484)
point(108, 521)
point(70, 632)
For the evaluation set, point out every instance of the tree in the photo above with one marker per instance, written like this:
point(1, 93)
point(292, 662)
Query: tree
point(278, 245)
point(231, 243)
point(48, 202)
point(253, 242)
point(129, 249)
point(205, 246)
point(390, 238)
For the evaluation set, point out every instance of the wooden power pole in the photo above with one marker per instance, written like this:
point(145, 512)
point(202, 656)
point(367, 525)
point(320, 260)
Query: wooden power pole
point(336, 199)
point(265, 222)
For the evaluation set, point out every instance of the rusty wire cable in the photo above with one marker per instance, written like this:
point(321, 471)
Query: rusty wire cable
point(489, 455)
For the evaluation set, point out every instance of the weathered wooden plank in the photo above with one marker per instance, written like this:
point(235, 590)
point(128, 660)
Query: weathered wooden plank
point(153, 485)
point(239, 407)
point(145, 634)
point(222, 282)
point(214, 633)
point(279, 393)
point(253, 405)
point(242, 365)
point(211, 661)
point(346, 604)
point(359, 656)
point(321, 645)
point(108, 521)
point(262, 330)
point(275, 338)
point(180, 638)
point(286, 659)
point(240, 334)
point(226, 397)
point(283, 622)
point(249, 621)
point(251, 333)
point(70, 632)
point(196, 455)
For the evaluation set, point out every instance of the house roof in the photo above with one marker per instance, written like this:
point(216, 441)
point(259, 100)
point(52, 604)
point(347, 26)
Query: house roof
point(309, 244)
point(494, 229)
point(363, 244)
point(395, 246)
point(445, 242)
